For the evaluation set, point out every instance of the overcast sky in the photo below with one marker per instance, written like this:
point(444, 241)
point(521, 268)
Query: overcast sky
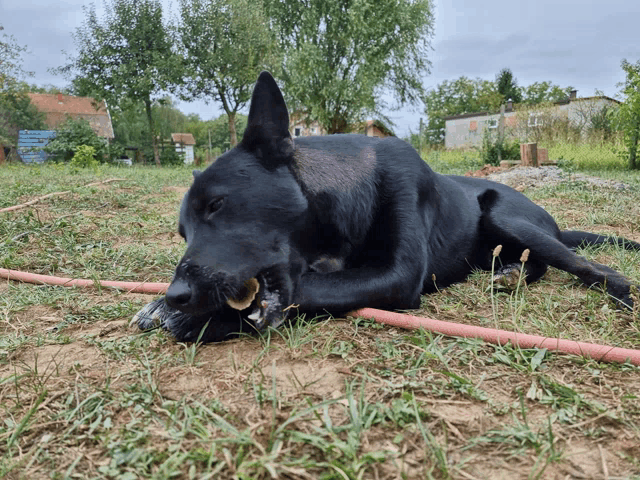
point(577, 43)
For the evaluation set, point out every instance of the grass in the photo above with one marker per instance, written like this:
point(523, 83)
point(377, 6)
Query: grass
point(84, 396)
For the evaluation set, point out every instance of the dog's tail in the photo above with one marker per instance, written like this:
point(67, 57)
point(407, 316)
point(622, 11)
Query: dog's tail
point(575, 238)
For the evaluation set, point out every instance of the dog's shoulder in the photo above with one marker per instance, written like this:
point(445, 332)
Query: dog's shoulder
point(336, 163)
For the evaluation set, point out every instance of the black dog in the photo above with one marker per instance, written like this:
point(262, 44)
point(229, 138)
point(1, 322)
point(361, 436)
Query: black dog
point(339, 222)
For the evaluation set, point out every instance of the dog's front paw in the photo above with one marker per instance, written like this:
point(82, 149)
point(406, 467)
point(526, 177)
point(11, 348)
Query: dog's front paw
point(156, 314)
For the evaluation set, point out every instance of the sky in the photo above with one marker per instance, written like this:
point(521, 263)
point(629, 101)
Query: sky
point(570, 43)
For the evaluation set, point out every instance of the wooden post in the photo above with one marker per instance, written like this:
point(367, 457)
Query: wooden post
point(543, 156)
point(529, 154)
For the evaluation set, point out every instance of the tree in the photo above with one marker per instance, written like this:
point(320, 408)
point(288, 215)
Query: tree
point(508, 86)
point(16, 110)
point(544, 92)
point(340, 56)
point(126, 55)
point(456, 97)
point(629, 111)
point(225, 45)
point(11, 71)
point(17, 113)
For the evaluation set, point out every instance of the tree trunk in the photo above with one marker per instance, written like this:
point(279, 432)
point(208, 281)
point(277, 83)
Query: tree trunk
point(1, 154)
point(232, 128)
point(154, 140)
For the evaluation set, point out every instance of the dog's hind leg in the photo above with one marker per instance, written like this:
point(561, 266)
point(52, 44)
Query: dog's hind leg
point(549, 250)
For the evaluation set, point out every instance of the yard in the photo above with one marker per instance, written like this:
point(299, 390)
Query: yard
point(83, 395)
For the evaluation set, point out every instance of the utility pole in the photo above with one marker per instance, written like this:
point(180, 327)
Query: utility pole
point(500, 133)
point(209, 145)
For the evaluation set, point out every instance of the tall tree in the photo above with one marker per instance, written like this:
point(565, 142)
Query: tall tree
point(508, 86)
point(225, 45)
point(455, 97)
point(629, 111)
point(341, 55)
point(127, 54)
point(16, 110)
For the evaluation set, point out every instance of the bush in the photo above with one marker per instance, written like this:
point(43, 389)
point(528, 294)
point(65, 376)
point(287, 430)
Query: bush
point(73, 134)
point(494, 150)
point(85, 157)
point(169, 157)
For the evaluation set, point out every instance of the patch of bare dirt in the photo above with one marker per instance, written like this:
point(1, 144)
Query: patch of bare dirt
point(485, 171)
point(178, 190)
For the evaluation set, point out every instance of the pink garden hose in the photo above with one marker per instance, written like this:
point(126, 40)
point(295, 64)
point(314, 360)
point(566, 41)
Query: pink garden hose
point(602, 353)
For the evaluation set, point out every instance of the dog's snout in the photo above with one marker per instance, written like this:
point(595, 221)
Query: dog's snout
point(179, 294)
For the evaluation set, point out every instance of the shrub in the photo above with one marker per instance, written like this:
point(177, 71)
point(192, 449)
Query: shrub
point(169, 157)
point(85, 157)
point(73, 134)
point(494, 149)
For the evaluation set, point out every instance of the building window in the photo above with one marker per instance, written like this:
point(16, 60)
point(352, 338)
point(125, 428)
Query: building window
point(535, 120)
point(296, 132)
point(492, 123)
point(313, 130)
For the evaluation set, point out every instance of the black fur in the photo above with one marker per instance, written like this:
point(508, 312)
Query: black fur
point(339, 222)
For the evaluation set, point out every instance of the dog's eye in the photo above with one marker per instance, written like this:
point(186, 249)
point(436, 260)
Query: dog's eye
point(215, 205)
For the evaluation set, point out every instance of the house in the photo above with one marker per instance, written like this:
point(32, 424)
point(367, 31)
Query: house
point(375, 128)
point(58, 108)
point(299, 127)
point(468, 129)
point(184, 143)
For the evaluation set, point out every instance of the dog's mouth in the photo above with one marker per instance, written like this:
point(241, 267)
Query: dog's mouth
point(260, 300)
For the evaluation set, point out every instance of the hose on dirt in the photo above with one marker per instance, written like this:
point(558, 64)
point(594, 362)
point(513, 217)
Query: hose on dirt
point(602, 353)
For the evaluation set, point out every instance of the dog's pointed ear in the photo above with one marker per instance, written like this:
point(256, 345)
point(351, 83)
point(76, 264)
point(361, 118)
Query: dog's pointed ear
point(267, 133)
point(196, 173)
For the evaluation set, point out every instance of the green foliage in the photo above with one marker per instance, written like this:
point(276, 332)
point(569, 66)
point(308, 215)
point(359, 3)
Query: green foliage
point(18, 113)
point(128, 54)
point(544, 92)
point(73, 134)
point(456, 97)
point(629, 111)
point(169, 157)
point(340, 56)
point(219, 129)
point(508, 86)
point(84, 157)
point(495, 148)
point(225, 45)
point(16, 110)
point(11, 71)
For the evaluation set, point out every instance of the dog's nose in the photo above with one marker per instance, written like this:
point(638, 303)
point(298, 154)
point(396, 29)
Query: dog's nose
point(178, 294)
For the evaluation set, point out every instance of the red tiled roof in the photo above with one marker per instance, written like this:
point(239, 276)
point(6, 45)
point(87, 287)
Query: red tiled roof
point(59, 103)
point(183, 138)
point(57, 107)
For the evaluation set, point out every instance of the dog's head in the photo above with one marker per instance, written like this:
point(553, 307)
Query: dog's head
point(238, 216)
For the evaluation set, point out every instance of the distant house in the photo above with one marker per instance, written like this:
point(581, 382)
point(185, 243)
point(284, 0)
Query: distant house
point(468, 129)
point(299, 127)
point(58, 108)
point(375, 128)
point(184, 143)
